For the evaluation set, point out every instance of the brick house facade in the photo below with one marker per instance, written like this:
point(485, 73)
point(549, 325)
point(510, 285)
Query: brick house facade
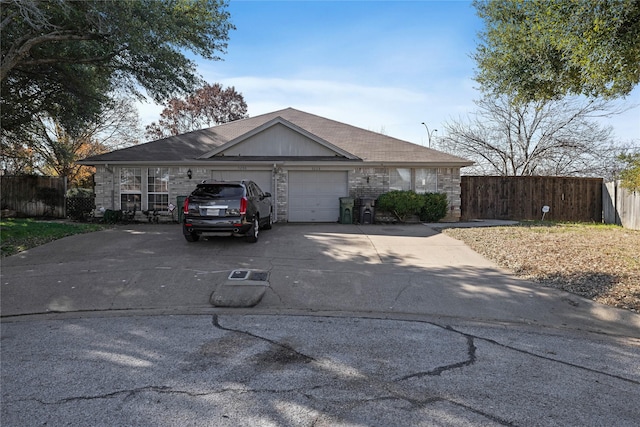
point(305, 161)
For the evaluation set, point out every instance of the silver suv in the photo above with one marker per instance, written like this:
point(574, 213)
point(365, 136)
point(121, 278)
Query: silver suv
point(227, 208)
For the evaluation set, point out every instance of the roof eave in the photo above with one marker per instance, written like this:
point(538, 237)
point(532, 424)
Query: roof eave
point(219, 162)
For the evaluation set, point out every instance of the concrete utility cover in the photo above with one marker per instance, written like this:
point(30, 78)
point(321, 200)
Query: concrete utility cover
point(239, 275)
point(243, 288)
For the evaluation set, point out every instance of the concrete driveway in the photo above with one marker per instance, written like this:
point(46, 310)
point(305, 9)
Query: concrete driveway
point(353, 325)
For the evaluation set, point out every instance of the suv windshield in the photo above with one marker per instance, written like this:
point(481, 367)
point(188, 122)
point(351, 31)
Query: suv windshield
point(219, 191)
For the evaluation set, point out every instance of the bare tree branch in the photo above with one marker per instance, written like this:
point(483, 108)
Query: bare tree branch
point(541, 138)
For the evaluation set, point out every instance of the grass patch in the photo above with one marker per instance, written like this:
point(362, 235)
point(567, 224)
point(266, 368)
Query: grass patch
point(17, 235)
point(597, 261)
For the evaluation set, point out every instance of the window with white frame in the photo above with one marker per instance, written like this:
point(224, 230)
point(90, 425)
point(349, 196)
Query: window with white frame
point(158, 189)
point(400, 179)
point(130, 189)
point(425, 181)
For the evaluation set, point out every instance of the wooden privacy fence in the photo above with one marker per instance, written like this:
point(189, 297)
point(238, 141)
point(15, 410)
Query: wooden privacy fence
point(523, 197)
point(33, 196)
point(621, 206)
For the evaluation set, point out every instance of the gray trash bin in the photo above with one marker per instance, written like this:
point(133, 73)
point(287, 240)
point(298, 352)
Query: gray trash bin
point(367, 211)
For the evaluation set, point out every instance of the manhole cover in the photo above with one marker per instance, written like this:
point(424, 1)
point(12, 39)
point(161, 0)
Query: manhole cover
point(239, 275)
point(260, 276)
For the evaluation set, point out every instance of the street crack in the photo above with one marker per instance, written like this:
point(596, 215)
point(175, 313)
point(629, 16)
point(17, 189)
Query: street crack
point(293, 353)
point(471, 359)
point(130, 393)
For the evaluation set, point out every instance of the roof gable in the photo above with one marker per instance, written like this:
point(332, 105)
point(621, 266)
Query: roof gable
point(364, 145)
point(258, 138)
point(278, 138)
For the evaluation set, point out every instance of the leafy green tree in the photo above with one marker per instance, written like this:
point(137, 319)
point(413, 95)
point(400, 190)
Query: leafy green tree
point(208, 106)
point(630, 175)
point(63, 58)
point(546, 49)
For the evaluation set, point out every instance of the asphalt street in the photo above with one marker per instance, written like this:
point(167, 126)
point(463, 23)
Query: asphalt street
point(315, 325)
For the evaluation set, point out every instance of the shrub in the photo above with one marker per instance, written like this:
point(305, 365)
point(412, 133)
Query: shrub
point(111, 216)
point(430, 207)
point(435, 207)
point(401, 203)
point(80, 192)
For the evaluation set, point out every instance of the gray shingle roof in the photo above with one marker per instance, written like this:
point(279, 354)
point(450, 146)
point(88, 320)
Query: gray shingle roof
point(366, 145)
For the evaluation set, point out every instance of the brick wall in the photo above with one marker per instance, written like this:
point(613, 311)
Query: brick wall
point(281, 194)
point(181, 185)
point(371, 182)
point(367, 183)
point(449, 183)
point(107, 188)
point(104, 187)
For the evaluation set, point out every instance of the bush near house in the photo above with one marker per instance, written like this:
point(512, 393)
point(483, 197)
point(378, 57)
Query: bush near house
point(435, 207)
point(429, 207)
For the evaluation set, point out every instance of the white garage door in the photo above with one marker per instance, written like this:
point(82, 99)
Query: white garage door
point(315, 196)
point(262, 178)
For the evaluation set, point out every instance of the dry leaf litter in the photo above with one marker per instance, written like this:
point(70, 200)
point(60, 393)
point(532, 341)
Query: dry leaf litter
point(598, 262)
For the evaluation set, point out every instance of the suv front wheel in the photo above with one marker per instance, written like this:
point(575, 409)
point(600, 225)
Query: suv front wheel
point(252, 234)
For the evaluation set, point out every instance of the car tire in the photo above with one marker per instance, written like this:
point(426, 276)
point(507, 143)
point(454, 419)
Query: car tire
point(267, 225)
point(254, 231)
point(192, 237)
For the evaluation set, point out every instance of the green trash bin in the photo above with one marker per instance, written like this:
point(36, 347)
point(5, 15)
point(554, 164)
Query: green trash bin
point(180, 205)
point(346, 210)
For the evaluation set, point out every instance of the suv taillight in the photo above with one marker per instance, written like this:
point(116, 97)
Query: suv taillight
point(243, 206)
point(185, 207)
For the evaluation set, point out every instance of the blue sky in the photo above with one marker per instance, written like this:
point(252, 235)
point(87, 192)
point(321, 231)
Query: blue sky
point(385, 66)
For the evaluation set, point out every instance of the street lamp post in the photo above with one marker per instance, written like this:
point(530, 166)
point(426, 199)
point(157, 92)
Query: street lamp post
point(429, 133)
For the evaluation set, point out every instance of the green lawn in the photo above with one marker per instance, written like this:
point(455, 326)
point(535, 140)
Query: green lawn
point(17, 235)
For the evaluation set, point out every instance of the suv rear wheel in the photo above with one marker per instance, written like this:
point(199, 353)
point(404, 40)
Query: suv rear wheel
point(252, 234)
point(191, 237)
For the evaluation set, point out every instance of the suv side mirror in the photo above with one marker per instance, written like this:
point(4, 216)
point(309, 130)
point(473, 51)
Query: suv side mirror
point(266, 195)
